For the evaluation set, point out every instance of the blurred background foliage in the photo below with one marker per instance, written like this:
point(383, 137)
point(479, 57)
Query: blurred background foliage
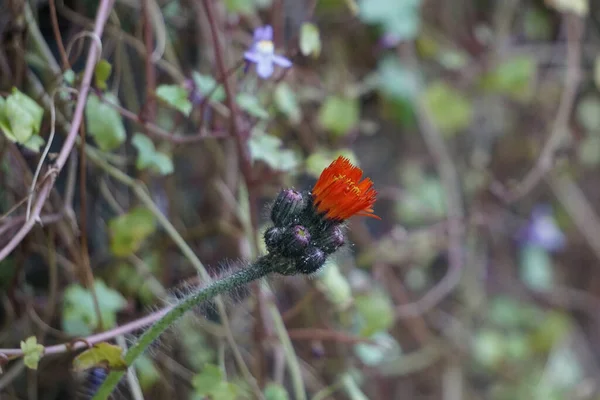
point(479, 122)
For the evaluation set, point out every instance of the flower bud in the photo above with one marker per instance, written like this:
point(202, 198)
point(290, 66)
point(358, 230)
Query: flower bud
point(273, 238)
point(331, 239)
point(296, 240)
point(311, 261)
point(287, 208)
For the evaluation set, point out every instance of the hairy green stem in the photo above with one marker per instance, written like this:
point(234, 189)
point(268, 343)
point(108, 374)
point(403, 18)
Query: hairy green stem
point(259, 269)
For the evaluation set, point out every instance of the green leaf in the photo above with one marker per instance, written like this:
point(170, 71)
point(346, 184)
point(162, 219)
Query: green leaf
point(424, 199)
point(489, 347)
point(396, 80)
point(210, 382)
point(339, 114)
point(34, 143)
point(400, 18)
point(577, 7)
point(310, 40)
point(335, 286)
point(128, 231)
point(450, 110)
point(176, 96)
point(513, 77)
point(588, 151)
point(101, 74)
point(100, 355)
point(20, 118)
point(537, 24)
point(287, 103)
point(206, 84)
point(267, 148)
point(79, 312)
point(149, 158)
point(274, 391)
point(385, 348)
point(105, 124)
point(376, 312)
point(69, 77)
point(240, 6)
point(537, 271)
point(146, 371)
point(588, 113)
point(32, 352)
point(251, 105)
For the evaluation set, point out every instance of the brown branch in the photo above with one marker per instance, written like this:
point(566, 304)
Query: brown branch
point(560, 126)
point(101, 17)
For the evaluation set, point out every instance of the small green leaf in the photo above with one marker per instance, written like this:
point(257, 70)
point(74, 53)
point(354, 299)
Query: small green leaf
point(129, 231)
point(450, 110)
point(32, 352)
point(101, 74)
point(147, 372)
point(397, 80)
point(100, 355)
point(339, 114)
point(384, 348)
point(424, 200)
point(69, 77)
point(376, 312)
point(588, 151)
point(489, 348)
point(577, 7)
point(251, 105)
point(206, 84)
point(335, 286)
point(105, 124)
point(287, 103)
point(274, 391)
point(35, 143)
point(20, 117)
point(176, 96)
point(267, 148)
point(149, 158)
point(240, 6)
point(210, 383)
point(310, 40)
point(513, 77)
point(79, 312)
point(588, 113)
point(537, 24)
point(537, 271)
point(400, 17)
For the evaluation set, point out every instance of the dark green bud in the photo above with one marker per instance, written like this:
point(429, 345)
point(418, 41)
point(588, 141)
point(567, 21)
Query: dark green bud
point(287, 208)
point(273, 237)
point(331, 239)
point(310, 262)
point(295, 242)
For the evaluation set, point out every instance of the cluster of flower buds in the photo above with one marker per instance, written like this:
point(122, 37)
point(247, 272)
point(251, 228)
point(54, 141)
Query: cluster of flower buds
point(300, 234)
point(309, 226)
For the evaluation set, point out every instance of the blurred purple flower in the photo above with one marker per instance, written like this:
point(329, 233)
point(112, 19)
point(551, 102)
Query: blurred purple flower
point(262, 53)
point(389, 40)
point(542, 230)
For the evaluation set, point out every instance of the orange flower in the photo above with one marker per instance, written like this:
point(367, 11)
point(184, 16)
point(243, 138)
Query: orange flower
point(339, 193)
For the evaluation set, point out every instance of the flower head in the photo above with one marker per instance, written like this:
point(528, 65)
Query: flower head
point(542, 230)
point(262, 53)
point(340, 193)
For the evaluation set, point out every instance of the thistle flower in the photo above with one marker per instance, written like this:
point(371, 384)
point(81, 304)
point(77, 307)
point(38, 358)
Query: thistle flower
point(340, 192)
point(262, 53)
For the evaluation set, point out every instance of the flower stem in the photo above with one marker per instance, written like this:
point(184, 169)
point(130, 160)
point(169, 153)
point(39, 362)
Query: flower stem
point(259, 269)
